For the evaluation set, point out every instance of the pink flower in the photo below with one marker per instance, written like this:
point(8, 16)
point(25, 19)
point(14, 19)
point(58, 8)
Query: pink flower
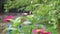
point(10, 16)
point(25, 14)
point(37, 30)
point(34, 31)
point(7, 18)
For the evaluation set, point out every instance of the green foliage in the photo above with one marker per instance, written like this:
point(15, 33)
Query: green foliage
point(16, 22)
point(19, 4)
point(45, 11)
point(14, 26)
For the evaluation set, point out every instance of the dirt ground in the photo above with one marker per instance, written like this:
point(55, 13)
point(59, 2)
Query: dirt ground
point(2, 27)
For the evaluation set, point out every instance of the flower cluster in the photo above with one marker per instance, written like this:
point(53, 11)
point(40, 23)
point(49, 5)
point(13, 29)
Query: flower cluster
point(39, 31)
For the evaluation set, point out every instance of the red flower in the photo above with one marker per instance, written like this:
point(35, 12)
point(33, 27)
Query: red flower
point(39, 31)
point(46, 32)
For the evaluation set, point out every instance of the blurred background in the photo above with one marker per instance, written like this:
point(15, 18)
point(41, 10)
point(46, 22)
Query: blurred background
point(33, 13)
